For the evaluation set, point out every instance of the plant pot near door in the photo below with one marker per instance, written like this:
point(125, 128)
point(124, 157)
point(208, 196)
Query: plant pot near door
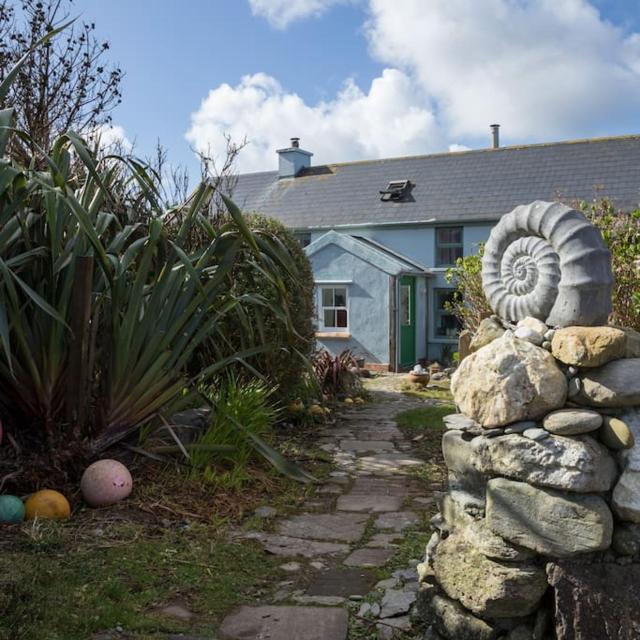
point(420, 379)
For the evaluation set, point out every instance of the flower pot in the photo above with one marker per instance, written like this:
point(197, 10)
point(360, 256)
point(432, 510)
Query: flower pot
point(419, 378)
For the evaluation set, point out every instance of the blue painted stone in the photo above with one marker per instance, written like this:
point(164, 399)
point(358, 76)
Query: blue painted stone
point(11, 510)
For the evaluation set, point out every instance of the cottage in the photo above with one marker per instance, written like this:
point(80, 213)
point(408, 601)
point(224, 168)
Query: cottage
point(381, 234)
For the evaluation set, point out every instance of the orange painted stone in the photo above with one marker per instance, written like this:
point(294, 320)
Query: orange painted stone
point(47, 504)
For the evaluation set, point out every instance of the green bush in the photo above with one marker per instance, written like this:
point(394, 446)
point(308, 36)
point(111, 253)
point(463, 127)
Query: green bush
point(621, 232)
point(286, 364)
point(99, 317)
point(469, 304)
point(224, 447)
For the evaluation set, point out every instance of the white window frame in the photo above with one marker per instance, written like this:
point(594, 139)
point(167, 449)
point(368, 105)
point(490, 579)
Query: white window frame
point(438, 312)
point(408, 323)
point(322, 308)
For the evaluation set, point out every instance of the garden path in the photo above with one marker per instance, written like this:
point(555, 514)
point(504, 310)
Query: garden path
point(349, 557)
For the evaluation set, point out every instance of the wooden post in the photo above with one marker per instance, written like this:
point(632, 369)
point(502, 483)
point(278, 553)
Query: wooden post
point(464, 342)
point(80, 323)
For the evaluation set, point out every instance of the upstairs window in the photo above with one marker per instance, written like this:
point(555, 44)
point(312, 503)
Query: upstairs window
point(448, 246)
point(334, 314)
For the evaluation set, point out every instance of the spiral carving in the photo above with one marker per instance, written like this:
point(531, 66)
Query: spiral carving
point(548, 261)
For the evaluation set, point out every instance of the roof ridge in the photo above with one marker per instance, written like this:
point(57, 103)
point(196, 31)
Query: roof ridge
point(630, 136)
point(515, 147)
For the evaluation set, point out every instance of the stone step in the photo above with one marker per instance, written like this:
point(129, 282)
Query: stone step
point(285, 623)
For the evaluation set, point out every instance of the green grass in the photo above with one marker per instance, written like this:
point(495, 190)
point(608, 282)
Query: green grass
point(424, 427)
point(429, 394)
point(53, 588)
point(424, 419)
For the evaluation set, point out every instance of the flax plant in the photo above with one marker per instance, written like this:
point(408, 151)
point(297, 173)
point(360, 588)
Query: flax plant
point(153, 299)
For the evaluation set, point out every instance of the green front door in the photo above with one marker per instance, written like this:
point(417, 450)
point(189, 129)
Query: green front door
point(407, 321)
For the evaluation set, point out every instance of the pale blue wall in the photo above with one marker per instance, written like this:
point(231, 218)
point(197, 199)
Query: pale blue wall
point(418, 243)
point(368, 302)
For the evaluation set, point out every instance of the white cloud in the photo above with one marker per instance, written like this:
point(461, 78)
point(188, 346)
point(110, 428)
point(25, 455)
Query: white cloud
point(281, 13)
point(112, 137)
point(392, 118)
point(458, 147)
point(543, 69)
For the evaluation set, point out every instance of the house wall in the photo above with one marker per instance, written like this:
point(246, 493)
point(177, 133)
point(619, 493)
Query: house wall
point(367, 299)
point(419, 243)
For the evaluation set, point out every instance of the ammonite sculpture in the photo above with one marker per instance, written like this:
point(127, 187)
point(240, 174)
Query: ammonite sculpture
point(548, 261)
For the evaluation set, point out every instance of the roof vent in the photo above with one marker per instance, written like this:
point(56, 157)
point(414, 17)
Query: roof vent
point(396, 190)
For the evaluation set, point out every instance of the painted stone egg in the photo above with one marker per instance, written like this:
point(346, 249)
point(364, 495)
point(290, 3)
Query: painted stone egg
point(105, 482)
point(11, 510)
point(47, 504)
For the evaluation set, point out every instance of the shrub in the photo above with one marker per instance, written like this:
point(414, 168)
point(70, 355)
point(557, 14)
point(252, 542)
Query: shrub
point(335, 375)
point(223, 444)
point(287, 362)
point(469, 303)
point(100, 317)
point(621, 232)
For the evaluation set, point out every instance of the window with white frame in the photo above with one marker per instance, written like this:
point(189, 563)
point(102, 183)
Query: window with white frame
point(446, 325)
point(449, 246)
point(334, 313)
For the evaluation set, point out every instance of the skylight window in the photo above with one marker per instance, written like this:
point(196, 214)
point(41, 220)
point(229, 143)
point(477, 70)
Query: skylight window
point(396, 190)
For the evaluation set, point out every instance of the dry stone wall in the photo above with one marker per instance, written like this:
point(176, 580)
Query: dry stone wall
point(543, 507)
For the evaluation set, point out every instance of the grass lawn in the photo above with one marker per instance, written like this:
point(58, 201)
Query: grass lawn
point(55, 586)
point(106, 573)
point(424, 427)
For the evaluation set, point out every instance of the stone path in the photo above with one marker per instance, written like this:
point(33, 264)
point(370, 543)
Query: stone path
point(334, 553)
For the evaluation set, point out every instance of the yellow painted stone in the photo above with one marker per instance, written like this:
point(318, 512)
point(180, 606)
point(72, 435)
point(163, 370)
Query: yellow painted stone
point(296, 407)
point(47, 504)
point(615, 434)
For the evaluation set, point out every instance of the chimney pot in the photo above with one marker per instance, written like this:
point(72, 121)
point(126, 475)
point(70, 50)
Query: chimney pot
point(295, 143)
point(495, 131)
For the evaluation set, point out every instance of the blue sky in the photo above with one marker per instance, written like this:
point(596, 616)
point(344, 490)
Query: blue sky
point(369, 78)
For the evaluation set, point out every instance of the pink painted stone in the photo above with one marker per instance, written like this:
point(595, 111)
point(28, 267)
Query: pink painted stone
point(105, 482)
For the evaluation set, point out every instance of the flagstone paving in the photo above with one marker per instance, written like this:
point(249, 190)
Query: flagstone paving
point(345, 535)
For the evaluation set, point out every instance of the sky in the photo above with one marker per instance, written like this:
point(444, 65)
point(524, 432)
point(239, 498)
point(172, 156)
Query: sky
point(364, 79)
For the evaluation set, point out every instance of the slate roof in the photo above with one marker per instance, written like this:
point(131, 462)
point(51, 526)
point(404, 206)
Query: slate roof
point(474, 185)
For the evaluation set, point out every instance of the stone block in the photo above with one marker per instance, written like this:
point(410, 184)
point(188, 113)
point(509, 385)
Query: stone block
point(616, 384)
point(572, 422)
point(549, 522)
point(595, 601)
point(588, 346)
point(508, 380)
point(487, 588)
point(578, 464)
point(626, 496)
point(488, 330)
